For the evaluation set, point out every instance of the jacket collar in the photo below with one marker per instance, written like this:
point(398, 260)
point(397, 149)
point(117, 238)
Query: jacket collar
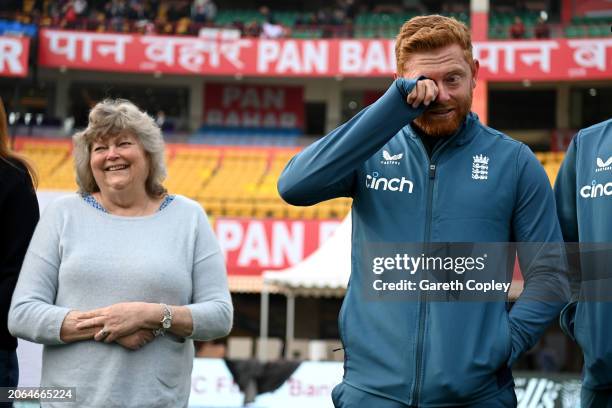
point(464, 134)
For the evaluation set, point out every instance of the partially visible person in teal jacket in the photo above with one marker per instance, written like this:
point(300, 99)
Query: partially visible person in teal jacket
point(583, 190)
point(421, 168)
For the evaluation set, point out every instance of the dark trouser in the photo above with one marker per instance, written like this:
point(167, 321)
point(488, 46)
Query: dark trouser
point(9, 372)
point(346, 396)
point(595, 399)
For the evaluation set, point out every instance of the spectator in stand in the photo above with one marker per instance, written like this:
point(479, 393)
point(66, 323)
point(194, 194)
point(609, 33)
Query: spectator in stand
point(541, 29)
point(116, 12)
point(175, 12)
point(517, 30)
point(160, 119)
point(265, 12)
point(350, 10)
point(141, 14)
point(99, 21)
point(252, 29)
point(18, 217)
point(203, 11)
point(69, 16)
point(136, 11)
point(338, 17)
point(80, 7)
point(72, 11)
point(337, 24)
point(270, 28)
point(323, 17)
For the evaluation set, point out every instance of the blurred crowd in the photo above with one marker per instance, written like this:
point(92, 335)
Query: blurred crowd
point(162, 16)
point(188, 17)
point(144, 16)
point(518, 29)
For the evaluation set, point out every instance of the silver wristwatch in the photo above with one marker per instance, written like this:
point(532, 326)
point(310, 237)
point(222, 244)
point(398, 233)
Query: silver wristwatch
point(166, 321)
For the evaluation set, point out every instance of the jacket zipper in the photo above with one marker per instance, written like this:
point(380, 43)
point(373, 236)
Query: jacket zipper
point(431, 176)
point(423, 295)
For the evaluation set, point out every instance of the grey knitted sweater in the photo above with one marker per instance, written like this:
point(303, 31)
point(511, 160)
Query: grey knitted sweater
point(81, 258)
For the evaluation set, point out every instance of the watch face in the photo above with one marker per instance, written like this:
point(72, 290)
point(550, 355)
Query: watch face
point(166, 323)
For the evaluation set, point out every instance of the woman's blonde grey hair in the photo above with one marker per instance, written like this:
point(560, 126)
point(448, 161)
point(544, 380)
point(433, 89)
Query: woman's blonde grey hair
point(110, 118)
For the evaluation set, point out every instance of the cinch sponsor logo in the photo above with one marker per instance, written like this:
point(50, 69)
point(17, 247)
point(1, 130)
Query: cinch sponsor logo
point(596, 190)
point(603, 165)
point(395, 184)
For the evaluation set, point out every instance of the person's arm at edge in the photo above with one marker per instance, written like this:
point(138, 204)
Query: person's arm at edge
point(20, 215)
point(324, 169)
point(541, 255)
point(565, 196)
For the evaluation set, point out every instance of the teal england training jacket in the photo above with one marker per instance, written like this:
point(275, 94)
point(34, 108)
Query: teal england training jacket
point(479, 186)
point(583, 190)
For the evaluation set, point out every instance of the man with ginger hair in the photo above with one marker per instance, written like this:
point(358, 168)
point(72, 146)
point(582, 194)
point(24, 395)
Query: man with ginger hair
point(421, 168)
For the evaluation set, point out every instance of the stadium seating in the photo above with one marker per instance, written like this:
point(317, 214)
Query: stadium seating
point(229, 182)
point(589, 26)
point(53, 164)
point(383, 25)
point(499, 24)
point(551, 162)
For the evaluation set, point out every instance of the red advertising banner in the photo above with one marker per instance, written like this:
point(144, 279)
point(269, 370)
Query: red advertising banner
point(14, 56)
point(254, 106)
point(252, 246)
point(546, 60)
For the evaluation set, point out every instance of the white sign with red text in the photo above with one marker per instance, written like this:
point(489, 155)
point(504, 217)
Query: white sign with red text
point(547, 60)
point(310, 386)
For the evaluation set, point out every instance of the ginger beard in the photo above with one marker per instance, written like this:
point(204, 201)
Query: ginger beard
point(433, 122)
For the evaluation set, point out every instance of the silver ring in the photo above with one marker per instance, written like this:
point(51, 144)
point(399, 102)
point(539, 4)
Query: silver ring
point(103, 333)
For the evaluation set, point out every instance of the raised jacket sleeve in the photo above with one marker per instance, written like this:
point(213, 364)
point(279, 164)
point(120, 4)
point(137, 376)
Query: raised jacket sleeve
point(541, 256)
point(33, 315)
point(324, 170)
point(212, 309)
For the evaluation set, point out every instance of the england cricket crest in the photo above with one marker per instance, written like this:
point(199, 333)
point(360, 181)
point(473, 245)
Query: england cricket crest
point(480, 167)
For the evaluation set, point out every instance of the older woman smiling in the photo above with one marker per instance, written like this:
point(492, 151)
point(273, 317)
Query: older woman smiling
point(118, 266)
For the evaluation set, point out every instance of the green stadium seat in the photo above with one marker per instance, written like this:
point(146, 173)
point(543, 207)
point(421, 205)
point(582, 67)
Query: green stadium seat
point(598, 31)
point(574, 31)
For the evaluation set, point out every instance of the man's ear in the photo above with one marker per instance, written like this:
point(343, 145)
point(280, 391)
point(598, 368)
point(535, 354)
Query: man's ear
point(475, 73)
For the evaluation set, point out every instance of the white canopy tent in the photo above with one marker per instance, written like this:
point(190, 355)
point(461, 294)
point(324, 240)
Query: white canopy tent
point(325, 272)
